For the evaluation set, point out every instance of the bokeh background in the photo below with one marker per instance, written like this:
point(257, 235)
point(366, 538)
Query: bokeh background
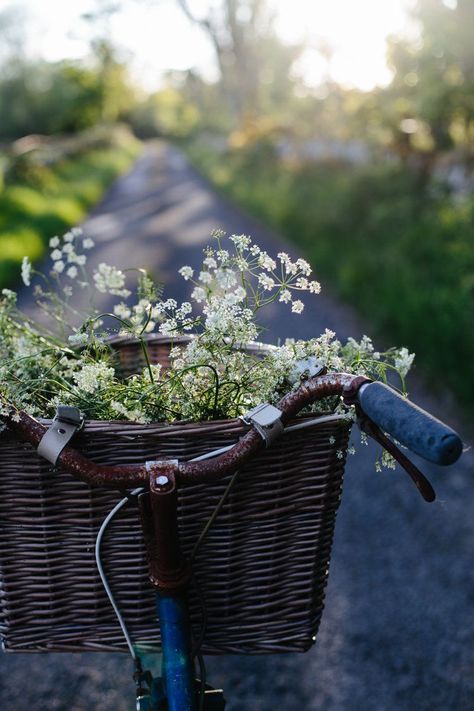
point(346, 126)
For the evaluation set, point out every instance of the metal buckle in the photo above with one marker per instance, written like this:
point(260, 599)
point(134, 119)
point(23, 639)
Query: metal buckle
point(311, 366)
point(66, 423)
point(267, 421)
point(69, 414)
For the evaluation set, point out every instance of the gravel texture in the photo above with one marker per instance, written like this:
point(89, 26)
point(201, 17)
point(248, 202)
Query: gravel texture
point(398, 629)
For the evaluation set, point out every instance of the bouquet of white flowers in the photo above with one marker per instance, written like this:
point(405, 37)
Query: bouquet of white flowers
point(212, 373)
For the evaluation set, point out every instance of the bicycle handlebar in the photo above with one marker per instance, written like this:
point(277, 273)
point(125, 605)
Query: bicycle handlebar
point(191, 472)
point(350, 387)
point(422, 433)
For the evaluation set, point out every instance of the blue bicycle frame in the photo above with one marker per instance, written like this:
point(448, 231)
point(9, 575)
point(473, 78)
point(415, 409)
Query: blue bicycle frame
point(177, 667)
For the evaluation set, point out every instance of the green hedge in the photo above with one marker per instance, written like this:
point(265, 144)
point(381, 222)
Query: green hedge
point(49, 201)
point(403, 258)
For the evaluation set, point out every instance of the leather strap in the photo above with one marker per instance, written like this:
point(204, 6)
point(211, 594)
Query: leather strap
point(267, 421)
point(68, 420)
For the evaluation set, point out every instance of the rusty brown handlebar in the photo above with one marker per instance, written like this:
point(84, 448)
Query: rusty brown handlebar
point(126, 476)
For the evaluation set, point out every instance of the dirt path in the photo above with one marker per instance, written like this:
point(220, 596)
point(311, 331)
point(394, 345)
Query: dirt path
point(398, 629)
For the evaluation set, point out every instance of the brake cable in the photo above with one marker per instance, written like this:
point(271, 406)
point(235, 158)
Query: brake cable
point(135, 492)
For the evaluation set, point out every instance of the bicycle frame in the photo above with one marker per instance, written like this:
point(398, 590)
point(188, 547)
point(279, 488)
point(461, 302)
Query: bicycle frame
point(177, 667)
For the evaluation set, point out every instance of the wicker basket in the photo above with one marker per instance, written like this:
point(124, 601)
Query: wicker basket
point(130, 358)
point(262, 567)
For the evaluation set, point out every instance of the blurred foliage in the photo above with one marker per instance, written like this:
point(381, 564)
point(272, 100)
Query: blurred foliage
point(434, 78)
point(46, 190)
point(63, 97)
point(426, 110)
point(405, 259)
point(378, 188)
point(165, 113)
point(254, 65)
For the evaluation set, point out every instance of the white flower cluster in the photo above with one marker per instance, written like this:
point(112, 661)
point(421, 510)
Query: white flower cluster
point(219, 372)
point(248, 273)
point(110, 280)
point(93, 377)
point(65, 252)
point(26, 271)
point(404, 361)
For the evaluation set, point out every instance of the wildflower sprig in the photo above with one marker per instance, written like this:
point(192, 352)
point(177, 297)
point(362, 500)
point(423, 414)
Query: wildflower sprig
point(242, 273)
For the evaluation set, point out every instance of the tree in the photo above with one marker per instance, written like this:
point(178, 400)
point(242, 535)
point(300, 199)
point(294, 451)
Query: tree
point(253, 63)
point(65, 96)
point(433, 86)
point(61, 97)
point(166, 113)
point(115, 89)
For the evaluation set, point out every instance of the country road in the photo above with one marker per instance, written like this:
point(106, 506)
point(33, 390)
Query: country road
point(398, 629)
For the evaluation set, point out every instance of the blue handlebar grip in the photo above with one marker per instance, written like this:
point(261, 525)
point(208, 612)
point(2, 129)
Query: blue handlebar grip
point(422, 433)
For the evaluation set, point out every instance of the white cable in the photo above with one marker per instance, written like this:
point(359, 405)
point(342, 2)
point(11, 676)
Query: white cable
point(135, 492)
point(98, 542)
point(316, 421)
point(102, 574)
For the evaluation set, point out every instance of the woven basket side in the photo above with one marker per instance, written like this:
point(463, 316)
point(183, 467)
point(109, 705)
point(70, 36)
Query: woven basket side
point(262, 567)
point(131, 359)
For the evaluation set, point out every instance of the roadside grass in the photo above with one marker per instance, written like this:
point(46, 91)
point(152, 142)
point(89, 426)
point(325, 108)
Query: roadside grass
point(404, 259)
point(31, 212)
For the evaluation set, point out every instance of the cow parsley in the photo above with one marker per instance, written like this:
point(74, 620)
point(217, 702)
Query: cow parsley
point(215, 366)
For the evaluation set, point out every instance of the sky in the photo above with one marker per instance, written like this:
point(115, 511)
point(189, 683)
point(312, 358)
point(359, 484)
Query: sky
point(156, 36)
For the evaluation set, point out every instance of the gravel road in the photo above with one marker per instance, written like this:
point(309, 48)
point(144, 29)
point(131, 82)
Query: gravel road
point(398, 629)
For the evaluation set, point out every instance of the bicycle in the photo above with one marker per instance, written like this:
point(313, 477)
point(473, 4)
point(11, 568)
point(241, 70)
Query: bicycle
point(156, 484)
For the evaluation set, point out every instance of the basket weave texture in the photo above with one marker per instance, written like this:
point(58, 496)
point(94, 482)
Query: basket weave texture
point(262, 567)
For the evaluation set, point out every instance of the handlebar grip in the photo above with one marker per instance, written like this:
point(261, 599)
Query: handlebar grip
point(422, 433)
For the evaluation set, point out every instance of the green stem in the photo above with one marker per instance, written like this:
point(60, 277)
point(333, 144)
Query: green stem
point(147, 359)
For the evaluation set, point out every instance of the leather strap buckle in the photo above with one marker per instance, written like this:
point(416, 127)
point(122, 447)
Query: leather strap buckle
point(67, 422)
point(267, 421)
